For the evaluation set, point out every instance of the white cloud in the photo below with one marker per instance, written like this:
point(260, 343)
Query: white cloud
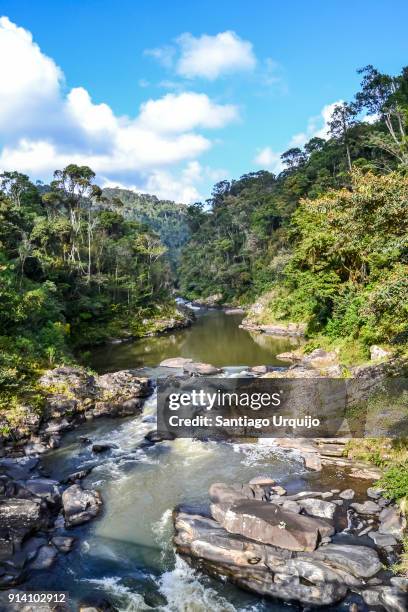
point(43, 128)
point(207, 56)
point(266, 158)
point(317, 126)
point(185, 111)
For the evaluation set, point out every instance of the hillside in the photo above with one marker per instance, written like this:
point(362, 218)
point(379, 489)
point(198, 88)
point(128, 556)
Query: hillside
point(168, 219)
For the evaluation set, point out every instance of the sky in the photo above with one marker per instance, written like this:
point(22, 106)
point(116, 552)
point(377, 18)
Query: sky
point(170, 97)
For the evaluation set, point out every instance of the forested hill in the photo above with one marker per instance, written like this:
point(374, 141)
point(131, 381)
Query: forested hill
point(168, 219)
point(327, 239)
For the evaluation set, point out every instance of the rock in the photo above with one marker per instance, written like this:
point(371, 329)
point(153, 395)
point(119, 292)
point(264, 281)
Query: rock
point(35, 448)
point(312, 461)
point(368, 473)
point(262, 480)
point(291, 506)
point(234, 311)
point(381, 539)
point(318, 507)
point(320, 358)
point(18, 469)
point(80, 505)
point(376, 352)
point(159, 436)
point(291, 356)
point(393, 600)
point(63, 543)
point(262, 569)
point(368, 507)
point(278, 490)
point(374, 492)
point(175, 362)
point(392, 523)
point(400, 583)
point(20, 516)
point(102, 447)
point(80, 475)
point(44, 559)
point(44, 488)
point(220, 492)
point(84, 440)
point(347, 494)
point(200, 369)
point(361, 561)
point(269, 524)
point(338, 502)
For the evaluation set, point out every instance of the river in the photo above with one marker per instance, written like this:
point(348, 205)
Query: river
point(127, 554)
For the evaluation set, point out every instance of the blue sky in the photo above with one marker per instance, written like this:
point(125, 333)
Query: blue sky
point(169, 97)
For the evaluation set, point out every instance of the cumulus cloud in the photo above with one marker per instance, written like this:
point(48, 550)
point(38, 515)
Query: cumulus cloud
point(43, 128)
point(268, 159)
point(206, 56)
point(317, 126)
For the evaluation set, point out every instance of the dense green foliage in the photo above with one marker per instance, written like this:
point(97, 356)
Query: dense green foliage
point(168, 219)
point(328, 236)
point(73, 271)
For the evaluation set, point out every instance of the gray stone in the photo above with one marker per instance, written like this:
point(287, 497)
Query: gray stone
point(318, 507)
point(368, 507)
point(392, 522)
point(291, 506)
point(101, 447)
point(382, 539)
point(44, 488)
point(347, 494)
point(20, 516)
point(269, 524)
point(393, 600)
point(361, 561)
point(374, 492)
point(400, 583)
point(80, 505)
point(200, 369)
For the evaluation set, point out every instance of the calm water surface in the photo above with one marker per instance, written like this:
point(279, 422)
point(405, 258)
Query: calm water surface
point(214, 338)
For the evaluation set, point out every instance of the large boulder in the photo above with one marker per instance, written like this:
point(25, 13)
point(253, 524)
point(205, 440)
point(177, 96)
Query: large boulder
point(175, 362)
point(80, 505)
point(269, 524)
point(392, 522)
point(360, 561)
point(18, 517)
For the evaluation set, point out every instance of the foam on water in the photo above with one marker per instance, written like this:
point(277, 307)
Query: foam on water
point(125, 599)
point(185, 593)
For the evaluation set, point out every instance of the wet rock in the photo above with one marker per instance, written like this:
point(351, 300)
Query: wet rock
point(18, 469)
point(200, 369)
point(63, 543)
point(392, 522)
point(269, 524)
point(80, 505)
point(368, 507)
point(175, 362)
point(318, 507)
point(102, 447)
point(44, 559)
point(381, 539)
point(347, 494)
point(75, 476)
point(159, 436)
point(84, 440)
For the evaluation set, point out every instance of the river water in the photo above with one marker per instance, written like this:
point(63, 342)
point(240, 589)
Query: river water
point(127, 554)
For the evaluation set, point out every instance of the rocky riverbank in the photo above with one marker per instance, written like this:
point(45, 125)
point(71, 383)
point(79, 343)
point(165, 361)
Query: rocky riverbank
point(312, 548)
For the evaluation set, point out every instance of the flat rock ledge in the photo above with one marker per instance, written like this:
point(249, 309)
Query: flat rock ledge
point(295, 330)
point(287, 546)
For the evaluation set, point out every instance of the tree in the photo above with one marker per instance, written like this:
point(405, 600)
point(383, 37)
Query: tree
point(342, 120)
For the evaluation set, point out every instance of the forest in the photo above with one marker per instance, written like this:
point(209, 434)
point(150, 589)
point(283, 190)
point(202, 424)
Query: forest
point(327, 238)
